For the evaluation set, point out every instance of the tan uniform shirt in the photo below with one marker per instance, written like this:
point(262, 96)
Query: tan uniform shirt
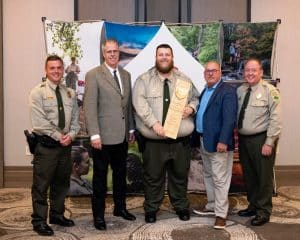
point(44, 110)
point(147, 100)
point(262, 112)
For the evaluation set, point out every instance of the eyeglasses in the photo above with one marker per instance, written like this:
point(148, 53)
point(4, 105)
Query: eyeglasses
point(212, 71)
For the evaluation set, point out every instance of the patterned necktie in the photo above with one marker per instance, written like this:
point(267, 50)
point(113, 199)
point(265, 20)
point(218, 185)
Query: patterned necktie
point(166, 100)
point(116, 78)
point(61, 112)
point(243, 108)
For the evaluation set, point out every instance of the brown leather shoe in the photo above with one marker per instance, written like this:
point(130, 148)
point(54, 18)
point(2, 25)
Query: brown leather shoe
point(220, 223)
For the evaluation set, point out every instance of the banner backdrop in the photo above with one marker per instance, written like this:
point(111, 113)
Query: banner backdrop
point(193, 45)
point(245, 40)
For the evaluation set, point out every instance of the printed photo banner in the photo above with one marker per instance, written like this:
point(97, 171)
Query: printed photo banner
point(243, 41)
point(193, 45)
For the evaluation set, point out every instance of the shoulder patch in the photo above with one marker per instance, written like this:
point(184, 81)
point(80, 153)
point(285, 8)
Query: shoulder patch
point(70, 92)
point(275, 95)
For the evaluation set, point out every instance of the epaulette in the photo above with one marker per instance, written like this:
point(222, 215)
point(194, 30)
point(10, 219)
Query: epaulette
point(269, 86)
point(43, 84)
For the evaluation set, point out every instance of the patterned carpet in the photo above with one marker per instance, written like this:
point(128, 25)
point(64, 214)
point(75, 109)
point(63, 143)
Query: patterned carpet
point(15, 210)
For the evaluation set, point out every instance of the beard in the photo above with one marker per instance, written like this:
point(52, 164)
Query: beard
point(164, 69)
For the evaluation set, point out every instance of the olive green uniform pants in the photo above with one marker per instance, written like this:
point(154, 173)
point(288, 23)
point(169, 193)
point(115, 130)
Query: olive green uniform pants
point(160, 158)
point(51, 171)
point(258, 173)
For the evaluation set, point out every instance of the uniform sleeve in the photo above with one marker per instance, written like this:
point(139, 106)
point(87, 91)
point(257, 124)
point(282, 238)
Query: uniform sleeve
point(74, 124)
point(193, 100)
point(39, 121)
point(274, 126)
point(141, 106)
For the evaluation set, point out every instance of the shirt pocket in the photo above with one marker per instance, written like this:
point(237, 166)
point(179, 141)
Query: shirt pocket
point(50, 108)
point(154, 97)
point(68, 104)
point(50, 105)
point(260, 107)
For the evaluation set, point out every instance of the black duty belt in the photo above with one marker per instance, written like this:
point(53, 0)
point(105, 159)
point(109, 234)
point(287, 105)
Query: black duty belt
point(253, 135)
point(47, 141)
point(170, 140)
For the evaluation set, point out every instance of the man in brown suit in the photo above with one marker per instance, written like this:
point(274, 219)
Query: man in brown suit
point(109, 118)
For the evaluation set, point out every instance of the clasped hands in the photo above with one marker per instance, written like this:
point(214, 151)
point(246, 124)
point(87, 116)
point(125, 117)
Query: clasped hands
point(65, 140)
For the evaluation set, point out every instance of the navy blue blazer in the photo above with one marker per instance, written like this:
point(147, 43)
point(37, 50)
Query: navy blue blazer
point(219, 118)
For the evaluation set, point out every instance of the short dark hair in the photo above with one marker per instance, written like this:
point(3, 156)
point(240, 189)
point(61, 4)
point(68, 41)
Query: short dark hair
point(53, 57)
point(76, 154)
point(164, 45)
point(256, 60)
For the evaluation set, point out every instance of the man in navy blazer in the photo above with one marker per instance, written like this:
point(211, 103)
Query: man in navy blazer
point(215, 122)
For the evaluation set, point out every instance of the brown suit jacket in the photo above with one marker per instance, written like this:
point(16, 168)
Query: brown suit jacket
point(108, 112)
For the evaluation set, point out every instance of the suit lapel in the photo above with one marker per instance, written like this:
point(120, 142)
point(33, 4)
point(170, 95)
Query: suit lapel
point(215, 93)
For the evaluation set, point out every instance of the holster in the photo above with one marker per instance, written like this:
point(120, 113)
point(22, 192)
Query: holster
point(31, 140)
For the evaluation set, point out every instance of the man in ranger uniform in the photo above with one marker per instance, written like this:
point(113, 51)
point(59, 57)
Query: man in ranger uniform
point(259, 126)
point(151, 96)
point(54, 117)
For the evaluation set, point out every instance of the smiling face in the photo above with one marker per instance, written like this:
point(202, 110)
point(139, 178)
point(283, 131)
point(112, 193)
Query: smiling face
point(253, 72)
point(212, 73)
point(164, 60)
point(54, 71)
point(111, 54)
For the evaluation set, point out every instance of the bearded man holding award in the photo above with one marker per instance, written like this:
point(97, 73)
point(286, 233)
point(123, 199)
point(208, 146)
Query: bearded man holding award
point(165, 101)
